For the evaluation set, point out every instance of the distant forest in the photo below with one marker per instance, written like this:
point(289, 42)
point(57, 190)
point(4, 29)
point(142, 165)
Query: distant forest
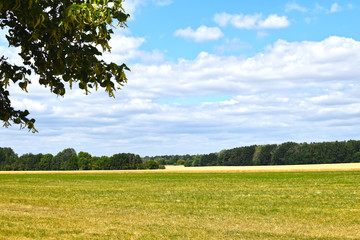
point(288, 153)
point(68, 159)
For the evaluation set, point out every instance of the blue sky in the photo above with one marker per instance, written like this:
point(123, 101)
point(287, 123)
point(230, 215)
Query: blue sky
point(207, 76)
point(306, 20)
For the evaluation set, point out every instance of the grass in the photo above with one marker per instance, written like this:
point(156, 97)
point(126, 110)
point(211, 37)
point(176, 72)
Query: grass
point(295, 205)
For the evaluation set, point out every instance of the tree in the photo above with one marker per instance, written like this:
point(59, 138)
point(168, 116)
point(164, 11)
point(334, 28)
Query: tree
point(60, 161)
point(84, 160)
point(180, 162)
point(152, 164)
point(7, 158)
point(283, 153)
point(210, 159)
point(45, 162)
point(58, 42)
point(266, 151)
point(29, 161)
point(73, 163)
point(104, 163)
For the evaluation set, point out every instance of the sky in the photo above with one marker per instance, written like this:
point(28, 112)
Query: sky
point(207, 76)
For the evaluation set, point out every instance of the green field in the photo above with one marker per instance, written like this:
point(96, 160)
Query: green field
point(298, 205)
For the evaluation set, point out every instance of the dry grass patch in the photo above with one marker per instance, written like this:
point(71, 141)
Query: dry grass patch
point(217, 169)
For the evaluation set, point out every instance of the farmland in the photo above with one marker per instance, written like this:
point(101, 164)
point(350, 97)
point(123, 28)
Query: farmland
point(181, 205)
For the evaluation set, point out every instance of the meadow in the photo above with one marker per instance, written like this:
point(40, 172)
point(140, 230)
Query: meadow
point(162, 205)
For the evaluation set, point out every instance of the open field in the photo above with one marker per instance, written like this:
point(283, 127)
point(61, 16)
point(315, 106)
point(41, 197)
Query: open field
point(274, 168)
point(220, 169)
point(263, 205)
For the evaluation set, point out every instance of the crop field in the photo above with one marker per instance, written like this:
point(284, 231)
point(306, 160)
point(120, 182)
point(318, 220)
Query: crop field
point(181, 205)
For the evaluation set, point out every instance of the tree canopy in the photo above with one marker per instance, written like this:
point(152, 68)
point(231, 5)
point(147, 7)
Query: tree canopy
point(58, 41)
point(67, 159)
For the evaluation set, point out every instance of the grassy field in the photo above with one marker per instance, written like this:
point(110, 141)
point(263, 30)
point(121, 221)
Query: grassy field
point(273, 205)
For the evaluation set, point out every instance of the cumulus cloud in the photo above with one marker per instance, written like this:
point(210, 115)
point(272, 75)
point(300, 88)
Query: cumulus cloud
point(298, 91)
point(274, 21)
point(201, 34)
point(127, 48)
point(131, 6)
point(284, 62)
point(255, 21)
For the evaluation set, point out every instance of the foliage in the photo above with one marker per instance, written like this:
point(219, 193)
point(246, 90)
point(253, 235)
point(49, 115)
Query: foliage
point(180, 162)
point(273, 154)
point(60, 161)
point(58, 41)
point(67, 159)
point(265, 154)
point(84, 160)
point(170, 159)
point(7, 157)
point(45, 162)
point(289, 153)
point(125, 161)
point(73, 163)
point(151, 164)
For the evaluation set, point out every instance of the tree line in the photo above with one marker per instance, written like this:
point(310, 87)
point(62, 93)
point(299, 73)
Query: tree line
point(288, 153)
point(68, 159)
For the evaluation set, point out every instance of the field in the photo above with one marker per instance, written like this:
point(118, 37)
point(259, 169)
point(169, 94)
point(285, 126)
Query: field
point(182, 205)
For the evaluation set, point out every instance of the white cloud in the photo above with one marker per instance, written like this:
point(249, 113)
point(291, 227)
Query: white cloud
point(222, 19)
point(255, 21)
point(245, 21)
point(285, 61)
point(12, 54)
point(131, 6)
point(292, 6)
point(274, 21)
point(3, 33)
point(123, 44)
point(126, 48)
point(201, 34)
point(335, 7)
point(298, 91)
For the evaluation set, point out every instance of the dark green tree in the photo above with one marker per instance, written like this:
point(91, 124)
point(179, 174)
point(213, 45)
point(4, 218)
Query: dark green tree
point(28, 161)
point(84, 160)
point(95, 163)
point(45, 162)
point(283, 153)
point(152, 164)
point(104, 163)
point(7, 158)
point(73, 163)
point(209, 159)
point(60, 161)
point(58, 41)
